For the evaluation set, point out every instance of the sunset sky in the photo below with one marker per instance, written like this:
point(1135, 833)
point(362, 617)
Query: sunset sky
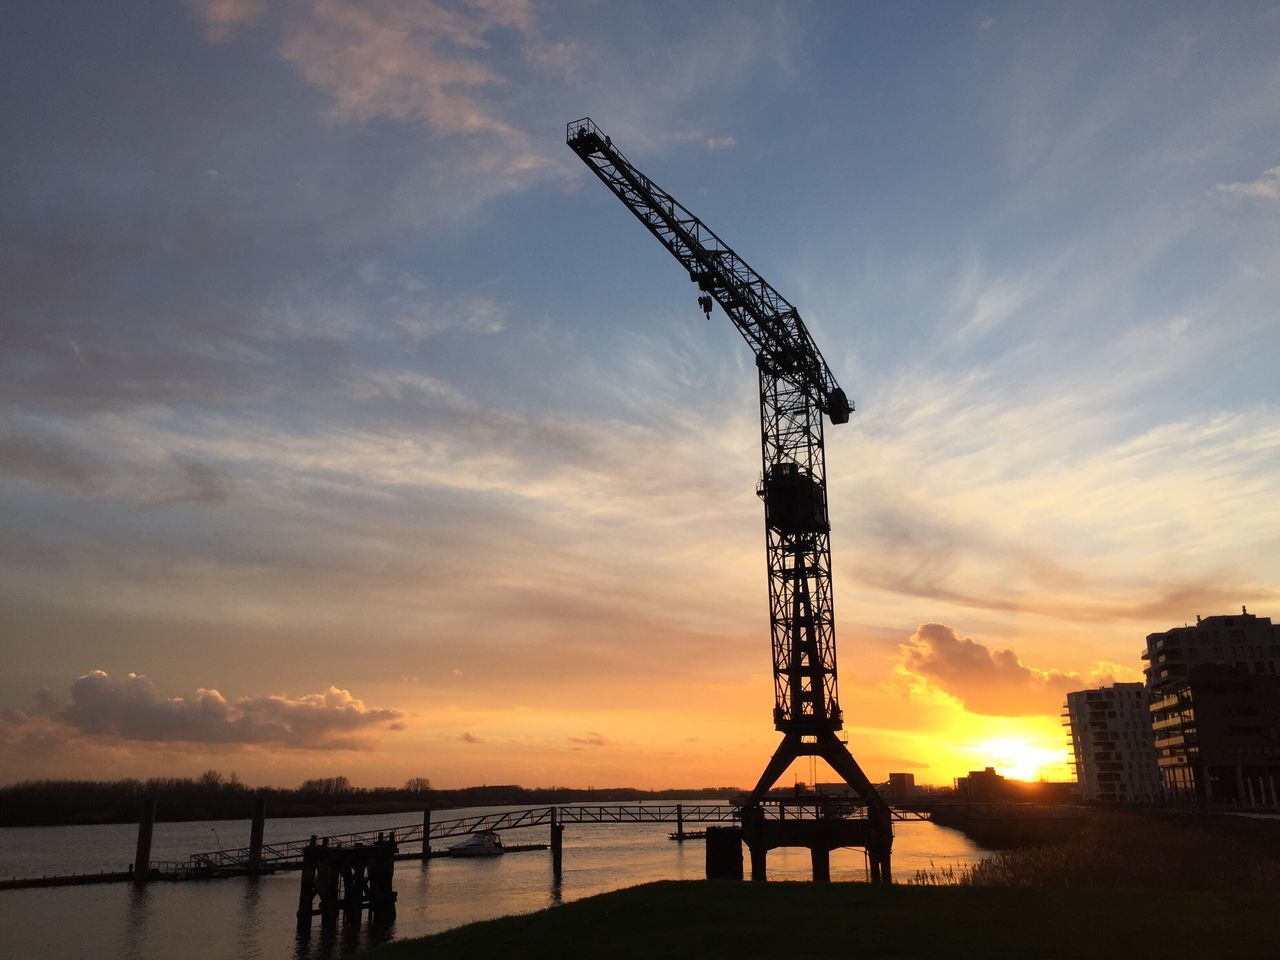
point(349, 426)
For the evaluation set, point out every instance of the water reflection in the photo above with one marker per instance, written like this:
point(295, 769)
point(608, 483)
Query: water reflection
point(137, 922)
point(254, 918)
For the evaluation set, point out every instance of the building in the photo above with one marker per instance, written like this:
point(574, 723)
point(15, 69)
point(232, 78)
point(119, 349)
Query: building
point(982, 785)
point(1115, 753)
point(1214, 692)
point(1247, 642)
point(1218, 737)
point(901, 786)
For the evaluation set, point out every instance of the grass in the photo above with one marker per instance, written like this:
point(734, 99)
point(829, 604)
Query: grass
point(713, 919)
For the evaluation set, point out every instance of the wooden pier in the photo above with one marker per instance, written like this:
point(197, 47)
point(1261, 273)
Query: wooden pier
point(261, 857)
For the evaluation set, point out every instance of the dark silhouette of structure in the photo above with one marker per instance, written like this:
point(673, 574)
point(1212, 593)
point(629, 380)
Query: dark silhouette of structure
point(1214, 692)
point(348, 881)
point(796, 389)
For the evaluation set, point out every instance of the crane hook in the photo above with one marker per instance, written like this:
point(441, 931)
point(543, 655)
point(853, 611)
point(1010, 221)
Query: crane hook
point(705, 303)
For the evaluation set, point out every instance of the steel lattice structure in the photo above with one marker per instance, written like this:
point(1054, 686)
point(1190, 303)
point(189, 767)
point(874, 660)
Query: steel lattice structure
point(796, 389)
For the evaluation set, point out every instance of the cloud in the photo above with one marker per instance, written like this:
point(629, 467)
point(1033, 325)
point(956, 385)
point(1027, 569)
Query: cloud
point(222, 17)
point(36, 460)
point(130, 709)
point(403, 60)
point(721, 143)
point(994, 682)
point(469, 737)
point(1266, 187)
point(592, 739)
point(203, 485)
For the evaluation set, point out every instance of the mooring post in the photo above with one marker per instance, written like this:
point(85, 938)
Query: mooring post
point(724, 853)
point(426, 833)
point(142, 854)
point(557, 844)
point(680, 822)
point(307, 891)
point(255, 833)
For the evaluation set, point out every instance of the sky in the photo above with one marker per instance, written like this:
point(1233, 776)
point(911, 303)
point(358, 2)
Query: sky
point(348, 426)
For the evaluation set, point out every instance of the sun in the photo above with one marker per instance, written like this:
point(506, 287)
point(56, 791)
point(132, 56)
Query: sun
point(1020, 759)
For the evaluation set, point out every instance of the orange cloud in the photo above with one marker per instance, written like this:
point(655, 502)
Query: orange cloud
point(993, 682)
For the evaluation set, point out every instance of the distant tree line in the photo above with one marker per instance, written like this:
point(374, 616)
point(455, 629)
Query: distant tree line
point(213, 796)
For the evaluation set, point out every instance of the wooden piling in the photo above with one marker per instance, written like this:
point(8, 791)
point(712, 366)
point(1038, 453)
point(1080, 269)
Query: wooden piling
point(142, 854)
point(307, 891)
point(680, 822)
point(557, 844)
point(255, 833)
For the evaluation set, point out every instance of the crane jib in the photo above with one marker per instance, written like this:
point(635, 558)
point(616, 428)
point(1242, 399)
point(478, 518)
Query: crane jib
point(771, 326)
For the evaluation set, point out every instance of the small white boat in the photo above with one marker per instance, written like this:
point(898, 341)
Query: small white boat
point(478, 845)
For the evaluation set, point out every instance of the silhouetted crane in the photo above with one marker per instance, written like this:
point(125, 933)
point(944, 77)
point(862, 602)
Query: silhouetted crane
point(796, 389)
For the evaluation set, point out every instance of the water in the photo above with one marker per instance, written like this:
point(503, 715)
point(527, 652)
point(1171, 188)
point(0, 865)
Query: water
point(254, 917)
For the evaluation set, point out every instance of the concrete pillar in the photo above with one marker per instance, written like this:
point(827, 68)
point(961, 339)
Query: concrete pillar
point(821, 858)
point(724, 853)
point(759, 860)
point(142, 854)
point(426, 833)
point(255, 833)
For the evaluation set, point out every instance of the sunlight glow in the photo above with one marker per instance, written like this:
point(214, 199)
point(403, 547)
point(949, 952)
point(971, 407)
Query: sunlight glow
point(1022, 760)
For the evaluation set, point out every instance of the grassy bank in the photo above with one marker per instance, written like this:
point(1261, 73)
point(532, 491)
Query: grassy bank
point(742, 920)
point(1137, 851)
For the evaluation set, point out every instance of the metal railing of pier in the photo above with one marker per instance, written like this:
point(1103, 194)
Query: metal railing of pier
point(290, 851)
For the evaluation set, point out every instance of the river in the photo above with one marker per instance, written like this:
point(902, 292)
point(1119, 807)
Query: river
point(253, 918)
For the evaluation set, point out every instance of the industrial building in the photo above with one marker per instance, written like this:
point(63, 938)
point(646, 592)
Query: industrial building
point(1111, 739)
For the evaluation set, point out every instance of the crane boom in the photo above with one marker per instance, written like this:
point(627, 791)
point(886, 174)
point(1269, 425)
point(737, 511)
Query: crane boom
point(767, 321)
point(796, 389)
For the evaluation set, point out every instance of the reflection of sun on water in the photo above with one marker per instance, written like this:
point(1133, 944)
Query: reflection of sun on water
point(1019, 759)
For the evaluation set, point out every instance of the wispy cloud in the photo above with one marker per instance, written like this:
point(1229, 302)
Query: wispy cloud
point(1266, 187)
point(592, 739)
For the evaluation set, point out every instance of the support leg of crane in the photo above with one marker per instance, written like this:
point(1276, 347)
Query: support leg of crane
point(821, 858)
point(788, 750)
point(759, 859)
point(841, 761)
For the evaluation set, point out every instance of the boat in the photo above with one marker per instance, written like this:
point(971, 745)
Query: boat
point(478, 845)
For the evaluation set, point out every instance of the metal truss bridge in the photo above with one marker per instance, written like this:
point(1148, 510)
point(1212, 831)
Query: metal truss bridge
point(288, 853)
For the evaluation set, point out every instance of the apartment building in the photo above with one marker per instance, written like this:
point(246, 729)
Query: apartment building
point(1111, 740)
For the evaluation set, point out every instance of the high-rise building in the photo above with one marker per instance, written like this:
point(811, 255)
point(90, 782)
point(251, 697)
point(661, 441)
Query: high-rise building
point(1247, 642)
point(1215, 709)
point(1111, 738)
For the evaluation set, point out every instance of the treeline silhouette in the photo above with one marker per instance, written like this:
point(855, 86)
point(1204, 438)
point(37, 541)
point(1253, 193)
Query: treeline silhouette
point(213, 796)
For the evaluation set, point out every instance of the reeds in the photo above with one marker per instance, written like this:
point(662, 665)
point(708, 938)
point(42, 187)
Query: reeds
point(1136, 851)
